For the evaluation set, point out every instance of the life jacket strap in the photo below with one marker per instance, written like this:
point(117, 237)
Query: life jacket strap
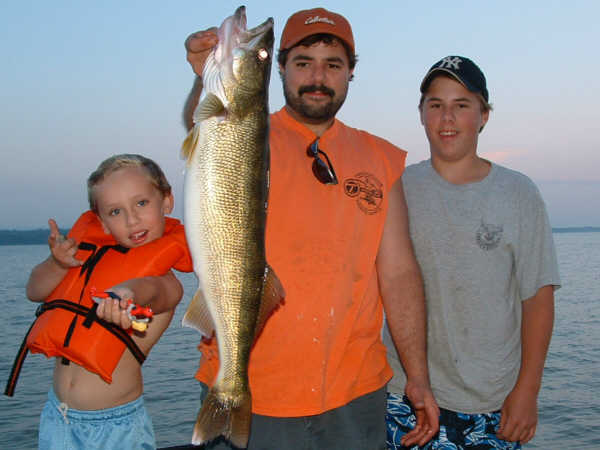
point(79, 310)
point(17, 365)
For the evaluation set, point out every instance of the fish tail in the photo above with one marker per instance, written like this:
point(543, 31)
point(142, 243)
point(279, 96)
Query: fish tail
point(227, 418)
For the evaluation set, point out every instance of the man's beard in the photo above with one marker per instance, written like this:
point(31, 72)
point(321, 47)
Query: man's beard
point(314, 113)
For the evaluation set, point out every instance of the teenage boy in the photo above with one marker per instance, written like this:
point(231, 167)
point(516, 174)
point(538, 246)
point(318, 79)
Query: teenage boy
point(484, 244)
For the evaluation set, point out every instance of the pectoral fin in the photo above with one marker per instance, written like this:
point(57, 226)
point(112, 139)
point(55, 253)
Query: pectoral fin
point(210, 106)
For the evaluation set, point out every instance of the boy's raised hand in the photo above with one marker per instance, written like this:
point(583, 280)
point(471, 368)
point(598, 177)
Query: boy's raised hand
point(63, 249)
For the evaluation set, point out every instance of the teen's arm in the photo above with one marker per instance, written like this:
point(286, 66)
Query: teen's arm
point(519, 412)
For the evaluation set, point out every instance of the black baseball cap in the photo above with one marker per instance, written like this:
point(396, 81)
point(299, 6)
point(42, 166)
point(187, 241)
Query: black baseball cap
point(463, 70)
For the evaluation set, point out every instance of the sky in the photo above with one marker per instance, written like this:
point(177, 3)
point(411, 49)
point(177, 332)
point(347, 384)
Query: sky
point(83, 80)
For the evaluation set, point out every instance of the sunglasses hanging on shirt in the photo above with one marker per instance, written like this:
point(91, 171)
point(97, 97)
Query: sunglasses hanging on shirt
point(323, 171)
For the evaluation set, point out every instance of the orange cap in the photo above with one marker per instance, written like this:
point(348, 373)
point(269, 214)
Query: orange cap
point(315, 21)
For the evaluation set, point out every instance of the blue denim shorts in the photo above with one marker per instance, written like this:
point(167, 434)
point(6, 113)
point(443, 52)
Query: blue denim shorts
point(458, 431)
point(123, 427)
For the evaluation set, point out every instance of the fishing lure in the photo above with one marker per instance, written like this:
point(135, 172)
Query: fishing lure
point(139, 315)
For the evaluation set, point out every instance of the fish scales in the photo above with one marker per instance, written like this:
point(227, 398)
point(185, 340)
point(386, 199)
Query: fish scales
point(233, 252)
point(226, 190)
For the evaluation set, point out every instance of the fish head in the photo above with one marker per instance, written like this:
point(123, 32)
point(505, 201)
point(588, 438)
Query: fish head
point(238, 69)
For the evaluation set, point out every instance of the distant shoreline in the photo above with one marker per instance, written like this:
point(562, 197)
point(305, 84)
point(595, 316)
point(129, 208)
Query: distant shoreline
point(26, 237)
point(40, 236)
point(576, 230)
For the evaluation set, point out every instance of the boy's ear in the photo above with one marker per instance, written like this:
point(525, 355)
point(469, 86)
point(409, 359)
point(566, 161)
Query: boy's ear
point(168, 203)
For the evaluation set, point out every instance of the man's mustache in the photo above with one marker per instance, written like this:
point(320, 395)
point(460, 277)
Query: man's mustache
point(315, 88)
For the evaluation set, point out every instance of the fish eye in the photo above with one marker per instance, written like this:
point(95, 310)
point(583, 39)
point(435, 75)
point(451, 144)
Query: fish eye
point(263, 54)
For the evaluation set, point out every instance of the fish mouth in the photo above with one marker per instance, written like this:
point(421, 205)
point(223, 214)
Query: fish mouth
point(255, 37)
point(233, 33)
point(226, 65)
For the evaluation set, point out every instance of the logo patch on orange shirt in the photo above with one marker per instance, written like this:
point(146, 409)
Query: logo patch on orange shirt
point(366, 188)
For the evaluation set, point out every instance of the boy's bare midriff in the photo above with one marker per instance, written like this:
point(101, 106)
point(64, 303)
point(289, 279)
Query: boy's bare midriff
point(84, 390)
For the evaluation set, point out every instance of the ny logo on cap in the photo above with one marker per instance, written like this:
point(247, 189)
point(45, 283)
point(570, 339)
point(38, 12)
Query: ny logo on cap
point(450, 62)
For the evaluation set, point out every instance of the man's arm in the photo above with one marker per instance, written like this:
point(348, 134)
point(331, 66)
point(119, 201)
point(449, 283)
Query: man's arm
point(198, 46)
point(401, 288)
point(519, 411)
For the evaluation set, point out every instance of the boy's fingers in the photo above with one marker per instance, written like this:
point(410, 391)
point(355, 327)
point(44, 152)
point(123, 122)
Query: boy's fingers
point(100, 310)
point(69, 247)
point(116, 310)
point(71, 244)
point(53, 232)
point(117, 314)
point(55, 236)
point(53, 226)
point(75, 262)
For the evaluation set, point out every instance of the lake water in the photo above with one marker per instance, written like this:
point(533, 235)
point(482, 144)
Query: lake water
point(569, 402)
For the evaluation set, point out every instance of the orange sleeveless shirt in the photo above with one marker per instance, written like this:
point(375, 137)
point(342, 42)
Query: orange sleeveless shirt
point(322, 348)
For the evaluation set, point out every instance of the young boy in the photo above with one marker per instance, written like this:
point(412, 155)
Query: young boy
point(484, 244)
point(125, 245)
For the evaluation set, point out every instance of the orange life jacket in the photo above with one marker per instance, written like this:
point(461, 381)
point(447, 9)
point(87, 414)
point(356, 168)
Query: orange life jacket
point(66, 323)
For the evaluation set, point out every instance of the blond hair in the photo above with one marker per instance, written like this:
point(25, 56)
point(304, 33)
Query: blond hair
point(155, 174)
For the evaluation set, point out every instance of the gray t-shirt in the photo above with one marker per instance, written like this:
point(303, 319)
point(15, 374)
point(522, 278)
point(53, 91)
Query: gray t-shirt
point(483, 248)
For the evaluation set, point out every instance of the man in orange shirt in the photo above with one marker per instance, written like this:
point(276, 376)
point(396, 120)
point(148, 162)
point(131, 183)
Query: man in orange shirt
point(337, 235)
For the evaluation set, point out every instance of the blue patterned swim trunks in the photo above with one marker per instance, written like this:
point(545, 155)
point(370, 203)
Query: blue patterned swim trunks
point(458, 431)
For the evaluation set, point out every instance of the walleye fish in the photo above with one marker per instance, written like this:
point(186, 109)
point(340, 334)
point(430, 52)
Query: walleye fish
point(226, 189)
